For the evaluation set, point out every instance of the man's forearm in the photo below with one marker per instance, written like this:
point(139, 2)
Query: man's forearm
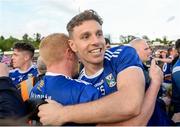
point(147, 109)
point(100, 111)
point(119, 106)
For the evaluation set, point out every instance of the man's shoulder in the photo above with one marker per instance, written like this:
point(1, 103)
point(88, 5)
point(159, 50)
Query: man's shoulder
point(121, 50)
point(176, 67)
point(64, 79)
point(33, 68)
point(14, 72)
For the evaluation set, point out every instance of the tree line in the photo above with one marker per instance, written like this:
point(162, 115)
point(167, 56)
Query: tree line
point(6, 44)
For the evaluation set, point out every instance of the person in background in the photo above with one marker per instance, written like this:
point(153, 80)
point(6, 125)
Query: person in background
point(12, 107)
point(108, 43)
point(24, 72)
point(176, 87)
point(116, 73)
point(159, 116)
point(144, 52)
point(22, 62)
point(41, 70)
point(167, 83)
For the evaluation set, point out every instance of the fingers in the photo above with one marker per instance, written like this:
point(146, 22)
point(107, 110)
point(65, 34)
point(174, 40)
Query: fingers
point(50, 101)
point(153, 63)
point(46, 112)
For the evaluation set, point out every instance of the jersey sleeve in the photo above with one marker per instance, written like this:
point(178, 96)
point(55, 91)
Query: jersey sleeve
point(176, 89)
point(176, 78)
point(127, 58)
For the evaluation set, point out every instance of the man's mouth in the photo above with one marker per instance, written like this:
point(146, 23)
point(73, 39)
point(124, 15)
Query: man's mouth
point(96, 50)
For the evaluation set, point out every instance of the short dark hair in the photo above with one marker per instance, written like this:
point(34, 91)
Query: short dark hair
point(24, 46)
point(107, 41)
point(81, 17)
point(177, 45)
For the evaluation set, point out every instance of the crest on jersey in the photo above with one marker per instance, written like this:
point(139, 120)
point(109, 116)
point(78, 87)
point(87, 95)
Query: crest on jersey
point(30, 75)
point(110, 80)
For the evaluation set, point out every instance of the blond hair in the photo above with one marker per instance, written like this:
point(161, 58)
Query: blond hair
point(53, 47)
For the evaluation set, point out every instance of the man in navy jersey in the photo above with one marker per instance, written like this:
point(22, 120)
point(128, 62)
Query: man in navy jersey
point(176, 87)
point(22, 62)
point(62, 65)
point(159, 116)
point(116, 73)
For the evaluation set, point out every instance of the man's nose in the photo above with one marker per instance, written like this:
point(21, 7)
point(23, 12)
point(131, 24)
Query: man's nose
point(95, 40)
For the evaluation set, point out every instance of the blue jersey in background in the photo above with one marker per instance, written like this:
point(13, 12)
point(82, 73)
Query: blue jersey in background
point(18, 76)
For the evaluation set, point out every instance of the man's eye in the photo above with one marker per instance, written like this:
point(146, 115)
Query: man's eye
point(100, 34)
point(85, 37)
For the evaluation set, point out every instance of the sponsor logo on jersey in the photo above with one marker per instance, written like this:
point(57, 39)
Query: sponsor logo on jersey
point(13, 79)
point(41, 84)
point(110, 80)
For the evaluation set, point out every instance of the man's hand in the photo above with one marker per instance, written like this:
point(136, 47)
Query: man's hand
point(50, 113)
point(155, 73)
point(4, 70)
point(176, 117)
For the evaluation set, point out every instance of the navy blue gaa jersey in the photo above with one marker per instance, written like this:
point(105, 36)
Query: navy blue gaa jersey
point(64, 90)
point(18, 76)
point(176, 86)
point(116, 60)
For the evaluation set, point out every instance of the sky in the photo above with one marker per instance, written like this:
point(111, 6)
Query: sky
point(154, 18)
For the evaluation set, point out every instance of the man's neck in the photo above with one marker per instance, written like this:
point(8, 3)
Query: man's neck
point(26, 66)
point(59, 69)
point(92, 69)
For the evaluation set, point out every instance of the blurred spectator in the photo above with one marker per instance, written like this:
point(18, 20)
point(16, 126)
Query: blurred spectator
point(11, 104)
point(41, 66)
point(163, 54)
point(166, 91)
point(167, 67)
point(144, 52)
point(108, 43)
point(176, 87)
point(159, 116)
point(41, 69)
point(6, 59)
point(24, 69)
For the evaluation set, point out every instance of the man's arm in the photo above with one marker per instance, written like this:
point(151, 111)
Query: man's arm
point(165, 60)
point(142, 119)
point(121, 105)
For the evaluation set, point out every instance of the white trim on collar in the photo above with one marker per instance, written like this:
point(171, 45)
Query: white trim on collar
point(95, 75)
point(54, 74)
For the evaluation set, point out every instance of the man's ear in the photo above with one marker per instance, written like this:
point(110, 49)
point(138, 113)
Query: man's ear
point(69, 54)
point(26, 56)
point(72, 45)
